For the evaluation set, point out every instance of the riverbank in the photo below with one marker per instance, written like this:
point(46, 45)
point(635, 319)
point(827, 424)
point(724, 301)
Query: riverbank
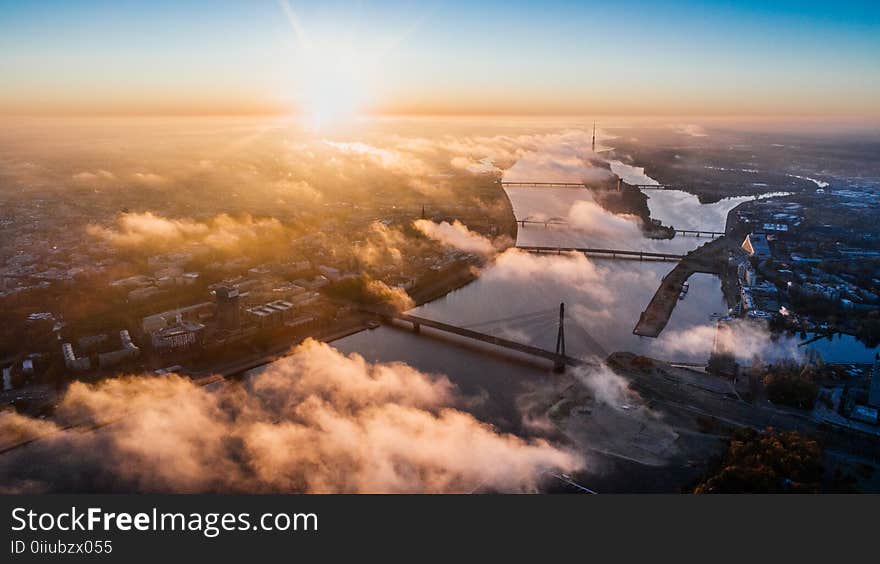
point(462, 274)
point(711, 258)
point(450, 280)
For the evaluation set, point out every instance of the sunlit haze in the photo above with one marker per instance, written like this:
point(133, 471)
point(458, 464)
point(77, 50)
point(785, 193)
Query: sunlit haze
point(330, 59)
point(282, 246)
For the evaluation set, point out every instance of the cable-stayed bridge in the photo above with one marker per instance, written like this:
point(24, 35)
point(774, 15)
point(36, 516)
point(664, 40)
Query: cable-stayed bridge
point(493, 336)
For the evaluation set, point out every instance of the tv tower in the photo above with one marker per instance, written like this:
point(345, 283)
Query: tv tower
point(594, 136)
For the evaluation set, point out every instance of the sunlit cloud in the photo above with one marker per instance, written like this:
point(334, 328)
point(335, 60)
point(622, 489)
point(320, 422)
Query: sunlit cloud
point(457, 235)
point(317, 421)
point(223, 232)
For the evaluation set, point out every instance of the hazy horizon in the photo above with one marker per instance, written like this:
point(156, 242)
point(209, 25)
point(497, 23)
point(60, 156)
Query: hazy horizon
point(342, 59)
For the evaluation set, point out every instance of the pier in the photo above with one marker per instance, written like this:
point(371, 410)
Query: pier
point(708, 259)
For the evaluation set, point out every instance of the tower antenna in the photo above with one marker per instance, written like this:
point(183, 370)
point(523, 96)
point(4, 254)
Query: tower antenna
point(560, 341)
point(594, 136)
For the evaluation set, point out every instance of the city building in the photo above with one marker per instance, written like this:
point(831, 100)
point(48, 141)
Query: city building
point(128, 351)
point(330, 273)
point(228, 307)
point(756, 245)
point(197, 312)
point(874, 389)
point(182, 335)
point(272, 313)
point(71, 361)
point(143, 294)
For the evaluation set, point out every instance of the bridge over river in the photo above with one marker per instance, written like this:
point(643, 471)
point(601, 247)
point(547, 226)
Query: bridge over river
point(559, 358)
point(546, 184)
point(609, 253)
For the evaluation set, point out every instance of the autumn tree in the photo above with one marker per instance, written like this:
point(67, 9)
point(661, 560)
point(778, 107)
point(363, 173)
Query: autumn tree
point(765, 462)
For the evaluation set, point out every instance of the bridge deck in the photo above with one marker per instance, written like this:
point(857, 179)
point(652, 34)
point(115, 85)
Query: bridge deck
point(699, 232)
point(491, 339)
point(539, 184)
point(623, 253)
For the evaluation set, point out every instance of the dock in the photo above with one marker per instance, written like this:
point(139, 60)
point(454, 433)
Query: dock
point(709, 259)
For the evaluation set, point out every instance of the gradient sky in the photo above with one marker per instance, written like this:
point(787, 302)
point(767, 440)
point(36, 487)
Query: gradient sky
point(676, 57)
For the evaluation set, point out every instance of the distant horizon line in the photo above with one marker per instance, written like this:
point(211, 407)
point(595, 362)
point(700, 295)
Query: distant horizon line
point(451, 114)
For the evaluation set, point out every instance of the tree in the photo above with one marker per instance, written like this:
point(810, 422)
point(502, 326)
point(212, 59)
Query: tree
point(791, 388)
point(765, 462)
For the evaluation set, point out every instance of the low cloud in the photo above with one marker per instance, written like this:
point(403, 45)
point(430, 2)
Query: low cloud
point(396, 297)
point(393, 160)
point(317, 421)
point(559, 157)
point(97, 177)
point(606, 386)
point(554, 167)
point(150, 179)
point(223, 232)
point(589, 216)
point(744, 338)
point(297, 192)
point(456, 234)
point(691, 129)
point(482, 166)
point(567, 269)
point(382, 245)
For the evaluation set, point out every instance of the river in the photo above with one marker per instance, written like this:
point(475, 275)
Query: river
point(604, 300)
point(519, 299)
point(840, 348)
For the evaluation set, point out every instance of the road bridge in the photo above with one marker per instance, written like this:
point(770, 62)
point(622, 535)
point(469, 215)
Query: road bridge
point(539, 184)
point(539, 221)
point(559, 359)
point(611, 253)
point(551, 184)
point(699, 233)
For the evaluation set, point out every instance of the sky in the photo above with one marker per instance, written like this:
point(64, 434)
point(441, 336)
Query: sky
point(331, 58)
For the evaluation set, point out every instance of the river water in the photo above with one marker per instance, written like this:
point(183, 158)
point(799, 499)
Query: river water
point(603, 297)
point(519, 299)
point(842, 349)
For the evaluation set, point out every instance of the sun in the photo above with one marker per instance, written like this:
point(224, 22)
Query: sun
point(333, 86)
point(330, 78)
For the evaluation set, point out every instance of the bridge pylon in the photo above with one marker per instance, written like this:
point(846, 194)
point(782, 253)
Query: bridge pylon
point(559, 365)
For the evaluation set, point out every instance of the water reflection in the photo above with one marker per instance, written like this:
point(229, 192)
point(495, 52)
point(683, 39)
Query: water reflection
point(604, 298)
point(684, 211)
point(841, 349)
